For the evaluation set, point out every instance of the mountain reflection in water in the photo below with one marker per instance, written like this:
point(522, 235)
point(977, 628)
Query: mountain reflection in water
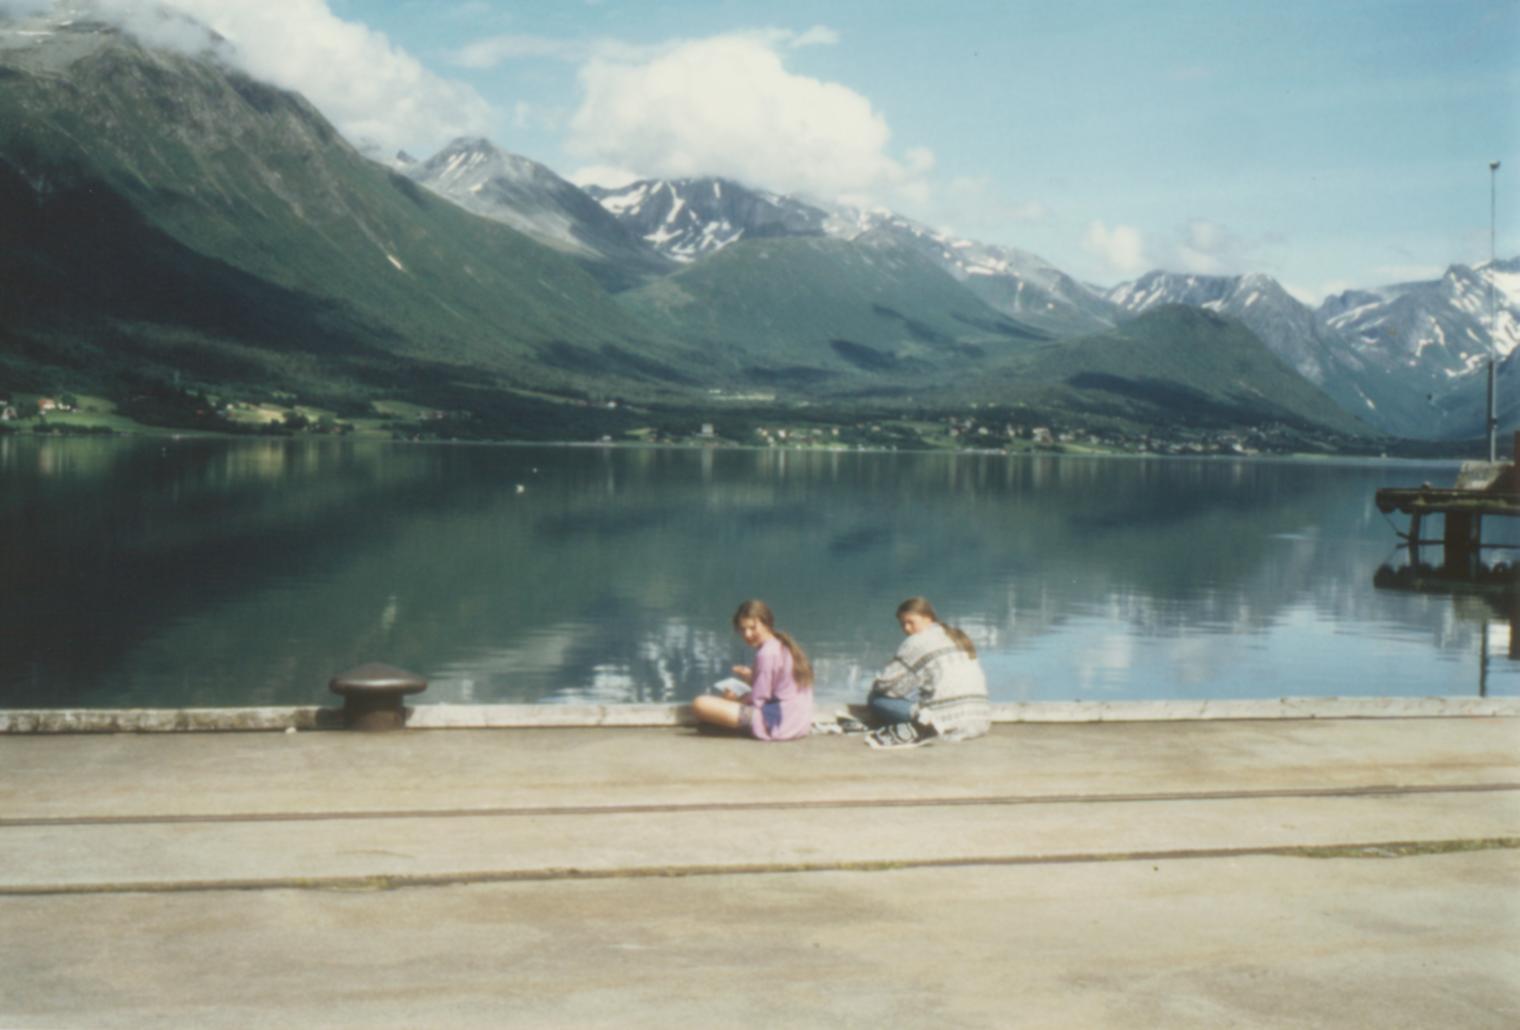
point(210, 572)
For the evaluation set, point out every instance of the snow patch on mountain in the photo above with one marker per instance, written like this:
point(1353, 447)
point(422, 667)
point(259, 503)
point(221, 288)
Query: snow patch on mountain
point(688, 219)
point(1267, 309)
point(1445, 328)
point(1022, 285)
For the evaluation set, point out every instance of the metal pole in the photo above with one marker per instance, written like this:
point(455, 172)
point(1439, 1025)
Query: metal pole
point(1493, 325)
point(1493, 422)
point(1483, 659)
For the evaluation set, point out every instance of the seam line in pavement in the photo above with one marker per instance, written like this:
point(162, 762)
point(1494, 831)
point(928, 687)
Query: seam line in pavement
point(396, 881)
point(1376, 790)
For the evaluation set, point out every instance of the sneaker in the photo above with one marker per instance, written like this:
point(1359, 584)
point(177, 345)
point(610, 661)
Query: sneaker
point(847, 723)
point(899, 734)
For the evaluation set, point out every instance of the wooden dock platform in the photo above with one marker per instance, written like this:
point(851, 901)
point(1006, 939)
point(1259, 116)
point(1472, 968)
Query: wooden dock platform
point(1482, 489)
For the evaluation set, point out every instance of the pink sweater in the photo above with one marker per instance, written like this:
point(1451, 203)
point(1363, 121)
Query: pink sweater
point(782, 710)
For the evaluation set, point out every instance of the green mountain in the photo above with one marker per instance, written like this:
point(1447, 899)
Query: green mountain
point(1173, 364)
point(166, 219)
point(164, 211)
point(820, 313)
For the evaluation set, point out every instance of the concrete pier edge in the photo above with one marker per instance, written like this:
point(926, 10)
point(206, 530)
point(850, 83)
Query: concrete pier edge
point(512, 716)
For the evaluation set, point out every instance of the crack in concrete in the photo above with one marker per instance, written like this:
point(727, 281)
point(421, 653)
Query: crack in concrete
point(1374, 790)
point(387, 882)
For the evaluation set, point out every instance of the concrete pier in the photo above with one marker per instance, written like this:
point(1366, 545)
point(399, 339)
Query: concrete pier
point(1249, 873)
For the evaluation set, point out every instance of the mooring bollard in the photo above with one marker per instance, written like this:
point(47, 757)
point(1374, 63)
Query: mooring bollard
point(372, 695)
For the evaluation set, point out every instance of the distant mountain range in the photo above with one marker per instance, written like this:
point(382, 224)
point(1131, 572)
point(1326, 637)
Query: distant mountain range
point(167, 215)
point(1406, 359)
point(688, 219)
point(1409, 359)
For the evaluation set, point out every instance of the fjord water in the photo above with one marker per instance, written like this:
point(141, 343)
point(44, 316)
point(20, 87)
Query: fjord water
point(213, 572)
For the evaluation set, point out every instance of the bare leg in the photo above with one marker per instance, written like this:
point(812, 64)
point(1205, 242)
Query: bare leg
point(719, 711)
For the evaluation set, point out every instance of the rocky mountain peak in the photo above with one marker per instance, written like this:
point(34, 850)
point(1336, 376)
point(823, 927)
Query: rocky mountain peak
point(688, 219)
point(481, 177)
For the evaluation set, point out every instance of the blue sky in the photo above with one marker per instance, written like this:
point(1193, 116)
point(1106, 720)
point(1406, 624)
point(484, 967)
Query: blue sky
point(1329, 144)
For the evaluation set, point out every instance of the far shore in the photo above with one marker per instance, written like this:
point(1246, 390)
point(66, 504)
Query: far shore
point(159, 433)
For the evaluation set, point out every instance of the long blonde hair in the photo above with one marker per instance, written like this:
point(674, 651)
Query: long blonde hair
point(802, 669)
point(921, 606)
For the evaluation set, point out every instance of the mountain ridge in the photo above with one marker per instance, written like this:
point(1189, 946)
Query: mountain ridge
point(1363, 375)
point(1368, 374)
point(691, 219)
point(245, 241)
point(813, 308)
point(528, 196)
point(1174, 356)
point(224, 176)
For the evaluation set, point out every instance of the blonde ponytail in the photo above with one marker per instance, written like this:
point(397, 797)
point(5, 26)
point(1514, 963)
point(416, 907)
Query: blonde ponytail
point(961, 640)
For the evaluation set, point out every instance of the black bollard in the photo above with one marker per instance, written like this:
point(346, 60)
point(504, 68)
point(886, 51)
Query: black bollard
point(372, 695)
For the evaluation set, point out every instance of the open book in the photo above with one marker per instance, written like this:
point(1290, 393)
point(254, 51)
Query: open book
point(733, 683)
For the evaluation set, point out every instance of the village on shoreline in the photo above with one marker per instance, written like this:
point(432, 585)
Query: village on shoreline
point(979, 429)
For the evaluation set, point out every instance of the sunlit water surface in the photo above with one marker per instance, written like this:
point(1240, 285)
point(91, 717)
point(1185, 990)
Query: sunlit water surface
point(169, 573)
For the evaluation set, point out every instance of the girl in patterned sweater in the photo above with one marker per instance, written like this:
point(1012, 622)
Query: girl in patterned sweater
point(933, 688)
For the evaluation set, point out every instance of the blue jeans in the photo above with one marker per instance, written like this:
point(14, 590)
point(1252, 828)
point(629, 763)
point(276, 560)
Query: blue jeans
point(888, 710)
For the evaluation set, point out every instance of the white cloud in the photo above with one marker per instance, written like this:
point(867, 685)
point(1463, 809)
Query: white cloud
point(370, 88)
point(728, 106)
point(1201, 246)
point(1207, 248)
point(1312, 296)
point(499, 49)
point(920, 160)
point(154, 24)
point(1121, 248)
point(495, 50)
point(491, 51)
point(610, 176)
point(818, 35)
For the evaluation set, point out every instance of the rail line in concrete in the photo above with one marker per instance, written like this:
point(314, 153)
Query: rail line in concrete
point(1372, 790)
point(399, 881)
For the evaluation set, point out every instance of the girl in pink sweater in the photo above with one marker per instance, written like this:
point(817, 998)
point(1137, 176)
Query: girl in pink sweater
point(779, 704)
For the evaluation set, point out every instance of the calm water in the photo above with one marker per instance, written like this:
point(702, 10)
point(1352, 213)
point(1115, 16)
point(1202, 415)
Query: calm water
point(234, 573)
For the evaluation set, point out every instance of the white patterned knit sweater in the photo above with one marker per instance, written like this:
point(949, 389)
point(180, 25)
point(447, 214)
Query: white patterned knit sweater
point(950, 684)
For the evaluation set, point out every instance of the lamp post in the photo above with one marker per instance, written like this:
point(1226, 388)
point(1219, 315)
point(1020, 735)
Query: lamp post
point(1493, 325)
